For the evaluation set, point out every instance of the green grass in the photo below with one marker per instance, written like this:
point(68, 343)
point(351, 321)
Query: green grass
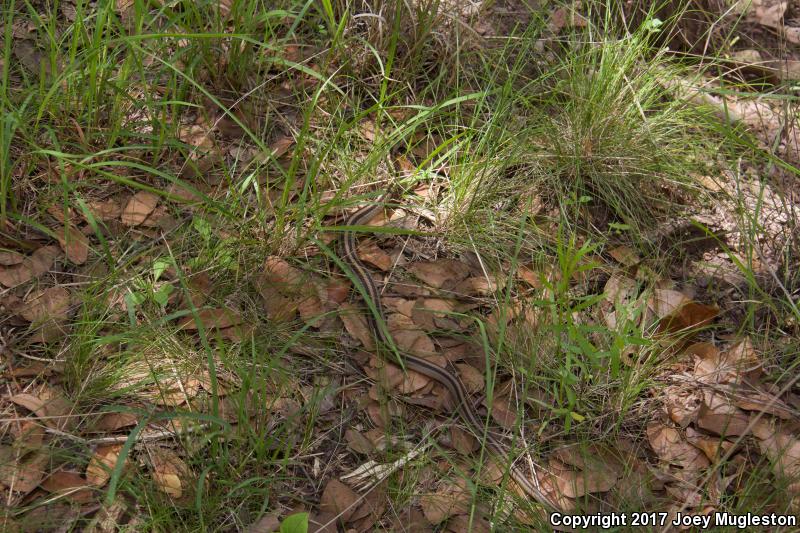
point(540, 163)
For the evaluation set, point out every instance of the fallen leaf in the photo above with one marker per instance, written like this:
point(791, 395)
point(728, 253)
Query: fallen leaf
point(339, 499)
point(781, 447)
point(574, 484)
point(478, 286)
point(450, 499)
point(465, 523)
point(761, 401)
point(74, 243)
point(625, 255)
point(31, 267)
point(70, 484)
point(51, 303)
point(373, 504)
point(98, 472)
point(722, 419)
point(688, 316)
point(665, 302)
point(713, 448)
point(409, 337)
point(10, 258)
point(471, 377)
point(50, 405)
point(437, 274)
point(169, 471)
point(358, 442)
point(671, 447)
point(22, 476)
point(104, 210)
point(269, 523)
point(211, 319)
point(115, 421)
point(139, 208)
point(356, 325)
point(371, 253)
point(682, 403)
point(463, 442)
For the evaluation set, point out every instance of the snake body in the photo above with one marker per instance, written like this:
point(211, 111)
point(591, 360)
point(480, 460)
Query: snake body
point(377, 323)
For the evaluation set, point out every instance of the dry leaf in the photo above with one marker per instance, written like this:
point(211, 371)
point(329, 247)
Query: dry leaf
point(371, 253)
point(449, 500)
point(465, 523)
point(74, 243)
point(722, 418)
point(665, 302)
point(105, 210)
point(211, 319)
point(22, 476)
point(356, 325)
point(339, 499)
point(98, 472)
point(358, 442)
point(409, 337)
point(10, 258)
point(503, 411)
point(670, 447)
point(625, 256)
point(574, 484)
point(682, 404)
point(689, 315)
point(51, 303)
point(471, 377)
point(478, 286)
point(50, 405)
point(139, 208)
point(781, 447)
point(115, 421)
point(169, 472)
point(437, 274)
point(31, 267)
point(71, 484)
point(762, 401)
point(463, 442)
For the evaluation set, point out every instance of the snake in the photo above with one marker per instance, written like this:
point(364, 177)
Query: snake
point(376, 320)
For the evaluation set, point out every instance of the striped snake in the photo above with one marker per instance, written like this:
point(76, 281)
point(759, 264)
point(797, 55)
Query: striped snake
point(377, 323)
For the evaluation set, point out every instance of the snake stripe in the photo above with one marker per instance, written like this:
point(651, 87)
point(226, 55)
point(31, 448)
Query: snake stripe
point(377, 323)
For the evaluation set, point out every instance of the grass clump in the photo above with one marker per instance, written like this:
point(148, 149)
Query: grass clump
point(613, 139)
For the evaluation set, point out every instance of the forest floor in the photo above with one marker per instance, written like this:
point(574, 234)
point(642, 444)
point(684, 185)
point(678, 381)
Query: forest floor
point(596, 230)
